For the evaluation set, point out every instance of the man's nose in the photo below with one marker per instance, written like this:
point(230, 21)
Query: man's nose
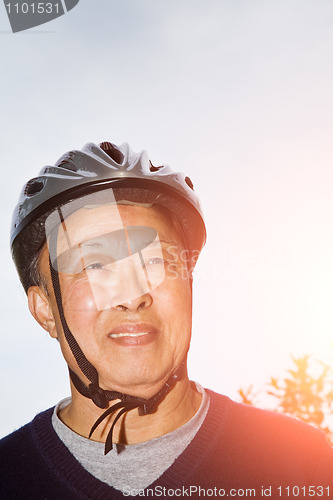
point(133, 291)
point(137, 304)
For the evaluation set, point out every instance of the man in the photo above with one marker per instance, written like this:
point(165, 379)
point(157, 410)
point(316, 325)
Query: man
point(105, 244)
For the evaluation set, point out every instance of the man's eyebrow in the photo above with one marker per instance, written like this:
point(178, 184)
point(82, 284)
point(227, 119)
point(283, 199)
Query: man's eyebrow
point(169, 242)
point(171, 246)
point(88, 244)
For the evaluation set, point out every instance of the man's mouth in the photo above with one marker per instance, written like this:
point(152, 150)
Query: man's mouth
point(132, 334)
point(127, 334)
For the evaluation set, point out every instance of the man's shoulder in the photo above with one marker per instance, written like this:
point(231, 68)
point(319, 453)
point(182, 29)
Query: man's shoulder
point(26, 469)
point(250, 421)
point(243, 446)
point(250, 433)
point(18, 444)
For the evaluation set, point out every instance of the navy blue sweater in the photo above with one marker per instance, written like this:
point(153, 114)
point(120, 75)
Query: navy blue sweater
point(238, 448)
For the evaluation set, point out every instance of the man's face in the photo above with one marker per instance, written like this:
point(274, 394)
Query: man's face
point(138, 336)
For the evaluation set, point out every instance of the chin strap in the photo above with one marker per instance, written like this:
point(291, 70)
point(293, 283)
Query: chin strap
point(93, 391)
point(127, 402)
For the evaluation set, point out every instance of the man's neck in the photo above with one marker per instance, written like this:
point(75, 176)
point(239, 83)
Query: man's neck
point(177, 408)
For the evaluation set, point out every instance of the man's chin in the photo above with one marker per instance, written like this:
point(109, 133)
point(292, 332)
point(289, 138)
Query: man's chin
point(139, 387)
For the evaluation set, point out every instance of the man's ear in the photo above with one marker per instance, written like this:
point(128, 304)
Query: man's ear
point(39, 306)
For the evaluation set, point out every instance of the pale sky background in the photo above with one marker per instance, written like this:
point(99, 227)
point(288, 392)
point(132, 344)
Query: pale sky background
point(236, 94)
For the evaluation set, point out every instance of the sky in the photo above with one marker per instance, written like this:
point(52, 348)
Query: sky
point(235, 94)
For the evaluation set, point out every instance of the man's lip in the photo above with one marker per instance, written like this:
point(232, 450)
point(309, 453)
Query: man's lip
point(132, 330)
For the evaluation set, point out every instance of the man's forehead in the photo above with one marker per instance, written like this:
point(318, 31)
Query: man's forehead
point(91, 221)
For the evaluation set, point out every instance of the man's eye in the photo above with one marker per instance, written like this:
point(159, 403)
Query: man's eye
point(95, 265)
point(154, 260)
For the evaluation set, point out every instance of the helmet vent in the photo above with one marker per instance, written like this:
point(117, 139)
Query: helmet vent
point(113, 152)
point(33, 187)
point(189, 182)
point(68, 166)
point(154, 169)
point(66, 162)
